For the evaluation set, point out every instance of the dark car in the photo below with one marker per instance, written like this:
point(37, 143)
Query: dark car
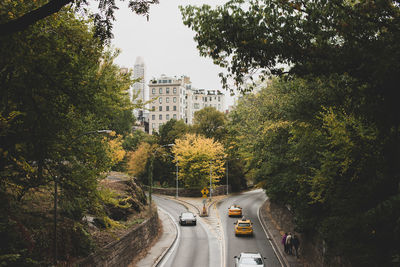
point(187, 218)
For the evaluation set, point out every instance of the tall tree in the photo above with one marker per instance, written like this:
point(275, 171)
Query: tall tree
point(196, 157)
point(38, 10)
point(59, 86)
point(210, 122)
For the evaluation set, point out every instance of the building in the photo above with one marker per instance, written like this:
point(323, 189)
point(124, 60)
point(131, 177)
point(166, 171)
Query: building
point(175, 98)
point(139, 92)
point(201, 98)
point(169, 100)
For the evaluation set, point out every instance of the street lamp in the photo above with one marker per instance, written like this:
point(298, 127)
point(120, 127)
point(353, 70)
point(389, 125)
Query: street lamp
point(151, 171)
point(177, 175)
point(56, 193)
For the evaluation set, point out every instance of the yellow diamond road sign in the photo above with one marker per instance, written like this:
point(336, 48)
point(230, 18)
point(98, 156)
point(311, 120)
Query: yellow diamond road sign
point(204, 191)
point(204, 196)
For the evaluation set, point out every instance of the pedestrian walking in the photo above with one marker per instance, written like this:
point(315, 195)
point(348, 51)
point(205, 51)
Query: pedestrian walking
point(289, 244)
point(284, 242)
point(296, 244)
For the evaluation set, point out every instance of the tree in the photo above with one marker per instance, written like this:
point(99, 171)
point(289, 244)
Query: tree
point(59, 84)
point(195, 155)
point(210, 123)
point(172, 130)
point(38, 10)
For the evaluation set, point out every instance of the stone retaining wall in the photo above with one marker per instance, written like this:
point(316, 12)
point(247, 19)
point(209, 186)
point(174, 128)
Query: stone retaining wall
point(312, 247)
point(123, 251)
point(188, 192)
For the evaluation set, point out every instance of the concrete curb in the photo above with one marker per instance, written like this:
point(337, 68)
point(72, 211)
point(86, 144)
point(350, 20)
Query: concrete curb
point(164, 253)
point(272, 241)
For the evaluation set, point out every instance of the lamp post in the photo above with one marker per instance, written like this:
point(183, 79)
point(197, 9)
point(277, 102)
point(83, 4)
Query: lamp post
point(210, 182)
point(56, 191)
point(227, 177)
point(151, 172)
point(177, 175)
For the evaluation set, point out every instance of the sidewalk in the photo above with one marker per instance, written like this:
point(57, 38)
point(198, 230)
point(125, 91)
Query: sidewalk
point(162, 246)
point(275, 237)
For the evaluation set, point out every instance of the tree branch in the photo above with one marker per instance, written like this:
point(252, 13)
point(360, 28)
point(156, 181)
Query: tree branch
point(32, 17)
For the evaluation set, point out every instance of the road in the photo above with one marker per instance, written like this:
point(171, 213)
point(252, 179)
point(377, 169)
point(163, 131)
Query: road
point(194, 246)
point(250, 203)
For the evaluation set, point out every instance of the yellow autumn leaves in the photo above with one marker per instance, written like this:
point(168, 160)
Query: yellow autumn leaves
point(197, 158)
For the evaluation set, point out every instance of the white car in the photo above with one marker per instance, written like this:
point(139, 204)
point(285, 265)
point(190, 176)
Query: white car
point(187, 218)
point(248, 259)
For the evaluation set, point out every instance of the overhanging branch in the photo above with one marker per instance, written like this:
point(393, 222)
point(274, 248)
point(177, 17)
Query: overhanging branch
point(32, 17)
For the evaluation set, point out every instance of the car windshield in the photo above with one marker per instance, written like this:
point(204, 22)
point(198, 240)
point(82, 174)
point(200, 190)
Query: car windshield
point(251, 261)
point(244, 224)
point(187, 215)
point(235, 208)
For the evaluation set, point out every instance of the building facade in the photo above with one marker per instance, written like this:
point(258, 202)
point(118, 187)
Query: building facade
point(139, 91)
point(169, 100)
point(175, 98)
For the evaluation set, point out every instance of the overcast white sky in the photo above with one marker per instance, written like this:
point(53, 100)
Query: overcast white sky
point(165, 44)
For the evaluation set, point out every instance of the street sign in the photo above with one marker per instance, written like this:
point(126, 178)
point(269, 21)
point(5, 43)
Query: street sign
point(204, 196)
point(204, 191)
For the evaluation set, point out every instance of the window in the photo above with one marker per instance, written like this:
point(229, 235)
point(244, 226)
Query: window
point(174, 99)
point(167, 90)
point(174, 108)
point(174, 116)
point(181, 90)
point(195, 98)
point(160, 90)
point(160, 100)
point(170, 81)
point(160, 117)
point(167, 99)
point(159, 125)
point(153, 91)
point(167, 108)
point(219, 99)
point(205, 99)
point(174, 90)
point(153, 117)
point(196, 106)
point(160, 108)
point(153, 125)
point(153, 108)
point(210, 98)
point(219, 106)
point(167, 117)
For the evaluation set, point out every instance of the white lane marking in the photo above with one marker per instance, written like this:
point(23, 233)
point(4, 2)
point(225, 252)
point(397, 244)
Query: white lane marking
point(268, 237)
point(176, 241)
point(222, 235)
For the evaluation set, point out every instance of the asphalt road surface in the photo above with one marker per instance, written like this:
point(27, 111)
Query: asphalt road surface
point(193, 243)
point(250, 203)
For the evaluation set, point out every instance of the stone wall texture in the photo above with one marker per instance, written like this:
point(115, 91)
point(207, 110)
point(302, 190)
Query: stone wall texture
point(123, 252)
point(312, 247)
point(188, 192)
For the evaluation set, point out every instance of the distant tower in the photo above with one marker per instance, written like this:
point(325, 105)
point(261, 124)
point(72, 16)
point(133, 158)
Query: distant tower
point(139, 88)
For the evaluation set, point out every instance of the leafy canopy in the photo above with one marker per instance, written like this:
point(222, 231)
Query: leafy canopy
point(195, 155)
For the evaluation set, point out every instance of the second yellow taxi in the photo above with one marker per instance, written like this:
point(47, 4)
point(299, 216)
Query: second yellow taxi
point(243, 227)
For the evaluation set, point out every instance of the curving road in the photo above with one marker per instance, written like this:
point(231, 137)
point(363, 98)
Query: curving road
point(250, 202)
point(193, 244)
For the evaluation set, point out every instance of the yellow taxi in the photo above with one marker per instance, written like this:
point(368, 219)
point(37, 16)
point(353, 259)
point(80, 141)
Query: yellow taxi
point(243, 227)
point(234, 210)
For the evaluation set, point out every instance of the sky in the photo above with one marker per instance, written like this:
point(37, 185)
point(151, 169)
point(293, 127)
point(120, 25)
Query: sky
point(165, 44)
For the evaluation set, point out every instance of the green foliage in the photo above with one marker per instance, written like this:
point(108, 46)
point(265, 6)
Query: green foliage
point(210, 123)
point(59, 85)
point(326, 144)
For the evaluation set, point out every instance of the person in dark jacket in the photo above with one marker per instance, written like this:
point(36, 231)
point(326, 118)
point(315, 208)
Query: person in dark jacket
point(296, 244)
point(284, 242)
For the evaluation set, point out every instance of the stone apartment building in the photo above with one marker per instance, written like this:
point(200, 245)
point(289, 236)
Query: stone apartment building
point(174, 98)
